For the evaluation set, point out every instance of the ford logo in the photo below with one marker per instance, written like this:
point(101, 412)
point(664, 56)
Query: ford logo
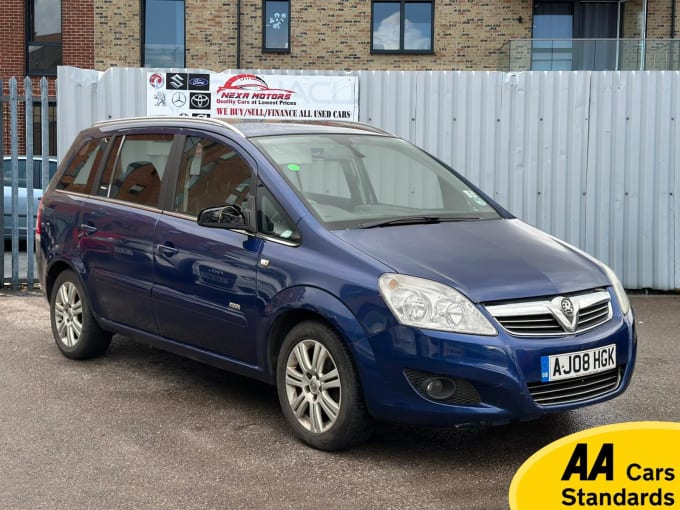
point(198, 82)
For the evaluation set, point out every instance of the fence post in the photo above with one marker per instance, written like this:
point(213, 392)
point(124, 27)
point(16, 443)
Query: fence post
point(2, 176)
point(44, 133)
point(14, 151)
point(30, 165)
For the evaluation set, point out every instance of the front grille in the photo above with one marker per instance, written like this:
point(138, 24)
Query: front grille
point(575, 390)
point(545, 317)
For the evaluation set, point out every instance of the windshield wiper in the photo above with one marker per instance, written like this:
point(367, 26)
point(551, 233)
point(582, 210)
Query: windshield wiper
point(416, 220)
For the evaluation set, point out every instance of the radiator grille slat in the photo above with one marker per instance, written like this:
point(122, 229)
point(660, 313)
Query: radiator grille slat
point(542, 317)
point(575, 390)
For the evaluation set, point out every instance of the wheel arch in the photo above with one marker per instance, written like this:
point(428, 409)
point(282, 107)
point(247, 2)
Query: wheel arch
point(299, 304)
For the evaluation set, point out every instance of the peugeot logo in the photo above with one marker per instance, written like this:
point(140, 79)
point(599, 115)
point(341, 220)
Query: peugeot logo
point(567, 307)
point(198, 82)
point(200, 100)
point(179, 99)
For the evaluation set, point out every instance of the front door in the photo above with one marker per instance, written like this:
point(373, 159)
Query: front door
point(205, 278)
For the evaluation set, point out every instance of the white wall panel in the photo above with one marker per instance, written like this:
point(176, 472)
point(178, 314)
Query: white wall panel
point(591, 157)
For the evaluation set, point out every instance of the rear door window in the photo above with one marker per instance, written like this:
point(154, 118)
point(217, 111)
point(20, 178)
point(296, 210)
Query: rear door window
point(134, 170)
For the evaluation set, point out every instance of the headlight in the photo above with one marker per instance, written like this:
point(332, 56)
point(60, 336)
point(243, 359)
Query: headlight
point(426, 304)
point(624, 303)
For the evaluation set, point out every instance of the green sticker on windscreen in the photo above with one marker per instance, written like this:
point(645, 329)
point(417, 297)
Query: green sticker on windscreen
point(293, 167)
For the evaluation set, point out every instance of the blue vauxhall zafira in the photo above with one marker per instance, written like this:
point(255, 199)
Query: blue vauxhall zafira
point(361, 276)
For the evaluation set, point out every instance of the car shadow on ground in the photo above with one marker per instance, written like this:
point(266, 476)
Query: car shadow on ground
point(183, 380)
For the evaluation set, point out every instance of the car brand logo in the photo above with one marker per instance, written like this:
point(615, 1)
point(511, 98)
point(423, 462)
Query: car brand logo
point(201, 115)
point(199, 81)
point(179, 99)
point(567, 307)
point(156, 80)
point(177, 81)
point(200, 101)
point(159, 99)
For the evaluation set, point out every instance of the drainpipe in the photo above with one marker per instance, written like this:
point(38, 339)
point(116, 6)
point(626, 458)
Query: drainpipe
point(643, 46)
point(238, 34)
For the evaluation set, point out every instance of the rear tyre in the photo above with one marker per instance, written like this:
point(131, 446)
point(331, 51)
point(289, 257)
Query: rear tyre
point(75, 330)
point(319, 390)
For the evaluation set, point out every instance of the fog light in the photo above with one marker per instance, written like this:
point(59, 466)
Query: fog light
point(439, 388)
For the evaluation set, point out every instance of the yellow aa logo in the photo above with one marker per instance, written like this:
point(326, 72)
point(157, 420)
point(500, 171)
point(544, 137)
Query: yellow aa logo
point(627, 465)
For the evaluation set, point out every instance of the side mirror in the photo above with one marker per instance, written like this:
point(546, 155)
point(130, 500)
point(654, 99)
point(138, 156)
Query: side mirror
point(228, 217)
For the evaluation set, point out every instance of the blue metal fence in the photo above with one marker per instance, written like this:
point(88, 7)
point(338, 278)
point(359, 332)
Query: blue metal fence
point(17, 266)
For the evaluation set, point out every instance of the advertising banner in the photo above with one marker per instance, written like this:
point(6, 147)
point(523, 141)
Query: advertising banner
point(247, 96)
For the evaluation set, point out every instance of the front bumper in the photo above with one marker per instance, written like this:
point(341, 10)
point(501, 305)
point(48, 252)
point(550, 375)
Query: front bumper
point(501, 369)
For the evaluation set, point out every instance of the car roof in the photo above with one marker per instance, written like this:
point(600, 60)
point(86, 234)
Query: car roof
point(244, 127)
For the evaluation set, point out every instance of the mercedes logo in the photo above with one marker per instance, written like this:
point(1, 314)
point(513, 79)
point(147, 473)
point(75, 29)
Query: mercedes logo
point(567, 307)
point(179, 99)
point(200, 101)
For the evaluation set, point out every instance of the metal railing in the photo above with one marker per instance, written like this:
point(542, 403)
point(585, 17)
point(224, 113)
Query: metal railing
point(20, 189)
point(590, 55)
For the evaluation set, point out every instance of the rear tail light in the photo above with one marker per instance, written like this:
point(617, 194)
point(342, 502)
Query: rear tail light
point(38, 219)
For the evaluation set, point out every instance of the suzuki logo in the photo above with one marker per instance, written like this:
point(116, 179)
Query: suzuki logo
point(177, 81)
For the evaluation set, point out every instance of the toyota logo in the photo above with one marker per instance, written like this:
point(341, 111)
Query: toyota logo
point(567, 307)
point(179, 99)
point(200, 100)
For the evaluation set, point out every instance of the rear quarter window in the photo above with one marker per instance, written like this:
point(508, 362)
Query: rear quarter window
point(80, 173)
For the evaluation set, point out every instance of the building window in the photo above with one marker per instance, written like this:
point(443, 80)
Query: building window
point(404, 26)
point(163, 33)
point(51, 129)
point(576, 35)
point(276, 26)
point(43, 37)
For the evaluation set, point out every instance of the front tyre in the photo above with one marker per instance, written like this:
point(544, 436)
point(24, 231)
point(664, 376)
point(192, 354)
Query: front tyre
point(75, 330)
point(319, 389)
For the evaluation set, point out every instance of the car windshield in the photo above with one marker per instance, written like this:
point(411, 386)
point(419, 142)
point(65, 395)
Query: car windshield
point(369, 181)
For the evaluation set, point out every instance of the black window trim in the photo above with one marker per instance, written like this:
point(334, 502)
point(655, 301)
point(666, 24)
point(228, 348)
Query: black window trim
point(265, 48)
point(402, 18)
point(30, 20)
point(142, 35)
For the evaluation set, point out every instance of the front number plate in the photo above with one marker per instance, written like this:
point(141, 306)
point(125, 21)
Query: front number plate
point(577, 364)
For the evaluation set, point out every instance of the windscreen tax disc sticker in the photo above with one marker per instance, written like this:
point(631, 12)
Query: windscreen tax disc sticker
point(626, 465)
point(293, 167)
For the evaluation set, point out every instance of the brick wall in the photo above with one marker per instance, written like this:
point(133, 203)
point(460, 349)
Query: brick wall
point(117, 29)
point(324, 35)
point(468, 35)
point(77, 50)
point(77, 33)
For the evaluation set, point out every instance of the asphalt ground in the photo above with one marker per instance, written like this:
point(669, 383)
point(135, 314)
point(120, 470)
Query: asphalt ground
point(143, 429)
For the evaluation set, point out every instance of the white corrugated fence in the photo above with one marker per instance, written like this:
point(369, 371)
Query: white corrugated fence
point(588, 156)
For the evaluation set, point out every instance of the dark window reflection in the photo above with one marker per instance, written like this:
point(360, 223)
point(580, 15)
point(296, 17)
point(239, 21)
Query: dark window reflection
point(43, 44)
point(276, 25)
point(164, 33)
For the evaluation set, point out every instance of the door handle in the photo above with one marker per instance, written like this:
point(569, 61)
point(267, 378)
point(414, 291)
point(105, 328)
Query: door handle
point(167, 249)
point(86, 230)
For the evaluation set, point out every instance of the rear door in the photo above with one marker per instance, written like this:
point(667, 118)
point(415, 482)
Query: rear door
point(205, 278)
point(117, 229)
